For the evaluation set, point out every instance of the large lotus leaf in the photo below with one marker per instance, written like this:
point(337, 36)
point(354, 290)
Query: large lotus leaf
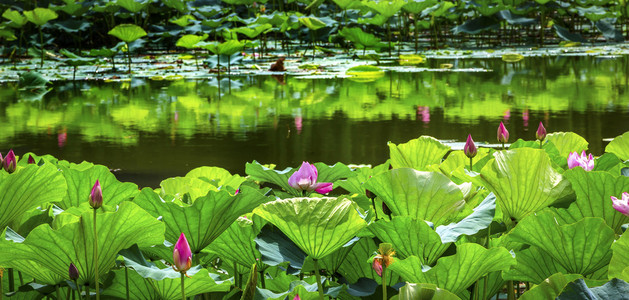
point(457, 272)
point(229, 47)
point(534, 265)
point(28, 267)
point(326, 174)
point(17, 19)
point(385, 8)
point(73, 243)
point(276, 248)
point(478, 25)
point(216, 175)
point(551, 287)
point(438, 10)
point(180, 186)
point(458, 159)
point(40, 16)
point(567, 142)
point(410, 237)
point(478, 220)
point(319, 226)
point(347, 4)
point(614, 289)
point(620, 146)
point(581, 248)
point(417, 153)
point(189, 41)
point(28, 188)
point(204, 220)
point(312, 23)
point(132, 6)
point(619, 264)
point(417, 6)
point(358, 36)
point(609, 31)
point(429, 196)
point(80, 185)
point(253, 31)
point(356, 264)
point(237, 243)
point(523, 181)
point(424, 291)
point(593, 190)
point(127, 32)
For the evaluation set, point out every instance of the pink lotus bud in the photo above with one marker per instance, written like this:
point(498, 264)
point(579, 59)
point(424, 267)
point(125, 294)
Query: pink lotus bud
point(470, 149)
point(540, 134)
point(503, 134)
point(31, 160)
point(73, 272)
point(621, 205)
point(296, 297)
point(182, 255)
point(9, 163)
point(377, 266)
point(96, 196)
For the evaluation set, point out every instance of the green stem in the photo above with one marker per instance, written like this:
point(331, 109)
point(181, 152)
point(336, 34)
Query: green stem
point(262, 281)
point(70, 290)
point(384, 282)
point(58, 292)
point(236, 275)
point(126, 280)
point(503, 146)
point(540, 144)
point(1, 285)
point(183, 290)
point(510, 292)
point(96, 258)
point(87, 292)
point(11, 280)
point(470, 164)
point(319, 285)
point(129, 57)
point(19, 274)
point(373, 201)
point(41, 47)
point(78, 288)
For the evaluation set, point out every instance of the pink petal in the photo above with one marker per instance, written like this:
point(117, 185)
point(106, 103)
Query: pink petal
point(323, 187)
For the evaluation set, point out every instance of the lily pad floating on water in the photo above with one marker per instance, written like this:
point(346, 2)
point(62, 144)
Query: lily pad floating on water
point(411, 59)
point(512, 57)
point(365, 73)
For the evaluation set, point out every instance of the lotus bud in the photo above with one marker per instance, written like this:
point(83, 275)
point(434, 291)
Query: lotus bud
point(470, 149)
point(540, 134)
point(386, 209)
point(1, 160)
point(296, 297)
point(9, 163)
point(377, 266)
point(31, 160)
point(369, 194)
point(73, 272)
point(621, 205)
point(182, 255)
point(503, 134)
point(96, 196)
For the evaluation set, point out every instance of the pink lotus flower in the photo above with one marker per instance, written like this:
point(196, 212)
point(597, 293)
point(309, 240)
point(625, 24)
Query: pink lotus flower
point(182, 255)
point(540, 134)
point(621, 205)
point(9, 163)
point(305, 179)
point(503, 134)
point(377, 266)
point(585, 162)
point(96, 196)
point(470, 149)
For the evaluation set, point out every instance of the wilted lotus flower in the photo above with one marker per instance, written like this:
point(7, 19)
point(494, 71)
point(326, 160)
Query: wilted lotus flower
point(96, 196)
point(621, 205)
point(503, 134)
point(305, 179)
point(384, 258)
point(182, 255)
point(73, 272)
point(470, 149)
point(585, 162)
point(540, 134)
point(9, 163)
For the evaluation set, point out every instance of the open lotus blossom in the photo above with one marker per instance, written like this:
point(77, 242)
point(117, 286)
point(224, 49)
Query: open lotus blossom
point(182, 255)
point(73, 272)
point(540, 134)
point(470, 149)
point(503, 134)
point(585, 162)
point(9, 163)
point(621, 205)
point(305, 179)
point(96, 196)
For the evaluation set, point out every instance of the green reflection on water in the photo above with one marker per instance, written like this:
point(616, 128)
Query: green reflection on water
point(163, 128)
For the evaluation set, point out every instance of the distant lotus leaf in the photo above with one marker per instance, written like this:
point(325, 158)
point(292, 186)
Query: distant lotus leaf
point(73, 26)
point(312, 23)
point(348, 4)
point(457, 272)
point(512, 57)
point(182, 21)
point(418, 153)
point(189, 41)
point(132, 5)
point(609, 31)
point(384, 7)
point(417, 6)
point(28, 188)
point(40, 16)
point(217, 176)
point(7, 34)
point(408, 192)
point(319, 226)
point(180, 186)
point(377, 20)
point(127, 32)
point(17, 19)
point(581, 248)
point(620, 146)
point(523, 181)
point(438, 9)
point(566, 35)
point(478, 25)
point(359, 37)
point(424, 291)
point(227, 48)
point(551, 287)
point(253, 31)
point(567, 142)
point(410, 237)
point(619, 264)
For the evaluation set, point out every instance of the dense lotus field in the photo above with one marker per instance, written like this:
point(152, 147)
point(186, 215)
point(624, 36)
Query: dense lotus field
point(539, 220)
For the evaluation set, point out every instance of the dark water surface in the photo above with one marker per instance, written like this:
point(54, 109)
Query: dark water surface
point(152, 130)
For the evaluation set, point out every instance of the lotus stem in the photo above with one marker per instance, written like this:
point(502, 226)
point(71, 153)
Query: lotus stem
point(70, 290)
point(11, 280)
point(19, 274)
point(384, 282)
point(87, 291)
point(319, 285)
point(236, 275)
point(470, 163)
point(503, 146)
point(540, 144)
point(78, 288)
point(1, 285)
point(41, 47)
point(126, 280)
point(262, 281)
point(183, 290)
point(510, 291)
point(58, 292)
point(96, 258)
point(373, 201)
point(129, 57)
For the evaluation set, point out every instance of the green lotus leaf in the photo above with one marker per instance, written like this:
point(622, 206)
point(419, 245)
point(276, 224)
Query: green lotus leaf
point(80, 185)
point(276, 248)
point(11, 247)
point(567, 142)
point(40, 16)
point(417, 6)
point(347, 4)
point(217, 176)
point(204, 220)
point(385, 8)
point(523, 181)
point(408, 192)
point(608, 162)
point(424, 291)
point(438, 10)
point(237, 244)
point(182, 21)
point(620, 146)
point(319, 226)
point(478, 220)
point(180, 186)
point(73, 243)
point(534, 265)
point(356, 266)
point(132, 5)
point(359, 37)
point(594, 190)
point(28, 188)
point(127, 32)
point(189, 41)
point(312, 23)
point(417, 153)
point(581, 248)
point(228, 48)
point(17, 19)
point(457, 159)
point(619, 264)
point(457, 272)
point(253, 31)
point(31, 219)
point(614, 289)
point(551, 287)
point(354, 184)
point(410, 237)
point(298, 287)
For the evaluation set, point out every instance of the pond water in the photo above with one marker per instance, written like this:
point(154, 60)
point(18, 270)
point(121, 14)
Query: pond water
point(149, 130)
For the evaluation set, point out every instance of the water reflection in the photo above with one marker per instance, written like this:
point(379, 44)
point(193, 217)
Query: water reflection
point(157, 129)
